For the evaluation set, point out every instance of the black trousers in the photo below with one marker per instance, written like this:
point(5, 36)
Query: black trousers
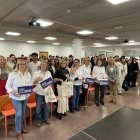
point(83, 96)
point(134, 78)
point(99, 92)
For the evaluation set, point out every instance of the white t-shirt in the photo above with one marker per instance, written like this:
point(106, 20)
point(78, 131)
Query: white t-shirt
point(33, 67)
point(38, 89)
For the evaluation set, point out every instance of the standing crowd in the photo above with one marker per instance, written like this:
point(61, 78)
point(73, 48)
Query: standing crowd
point(120, 73)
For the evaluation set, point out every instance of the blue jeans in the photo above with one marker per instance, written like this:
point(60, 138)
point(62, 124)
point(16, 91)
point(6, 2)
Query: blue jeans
point(19, 116)
point(41, 108)
point(76, 95)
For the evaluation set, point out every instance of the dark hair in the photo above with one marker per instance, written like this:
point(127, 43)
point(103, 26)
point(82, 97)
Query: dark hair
point(99, 60)
point(77, 60)
point(11, 55)
point(34, 54)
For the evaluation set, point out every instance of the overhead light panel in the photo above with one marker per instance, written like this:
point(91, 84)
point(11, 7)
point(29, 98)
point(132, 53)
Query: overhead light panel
point(115, 2)
point(50, 38)
point(13, 33)
point(111, 38)
point(85, 32)
point(2, 38)
point(31, 41)
point(56, 43)
point(132, 41)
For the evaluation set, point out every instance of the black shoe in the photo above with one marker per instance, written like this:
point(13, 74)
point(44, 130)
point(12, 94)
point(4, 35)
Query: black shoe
point(59, 116)
point(72, 110)
point(47, 122)
point(77, 109)
point(64, 114)
point(24, 130)
point(102, 102)
point(97, 104)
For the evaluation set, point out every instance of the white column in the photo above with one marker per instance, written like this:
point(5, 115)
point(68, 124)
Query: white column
point(77, 48)
point(118, 51)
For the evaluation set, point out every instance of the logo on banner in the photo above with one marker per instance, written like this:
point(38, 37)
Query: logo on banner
point(25, 90)
point(103, 82)
point(46, 83)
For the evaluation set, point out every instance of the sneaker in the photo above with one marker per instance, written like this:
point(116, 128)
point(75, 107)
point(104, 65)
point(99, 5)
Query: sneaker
point(38, 124)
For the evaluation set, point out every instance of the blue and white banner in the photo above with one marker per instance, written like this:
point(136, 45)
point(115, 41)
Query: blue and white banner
point(48, 82)
point(25, 89)
point(103, 81)
point(89, 80)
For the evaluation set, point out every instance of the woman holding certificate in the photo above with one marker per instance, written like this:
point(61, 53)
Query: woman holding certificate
point(61, 75)
point(41, 105)
point(99, 74)
point(20, 77)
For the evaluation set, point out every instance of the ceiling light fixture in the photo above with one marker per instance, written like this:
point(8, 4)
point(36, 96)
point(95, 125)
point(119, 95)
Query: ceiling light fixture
point(132, 41)
point(13, 33)
point(40, 22)
point(111, 38)
point(50, 38)
point(31, 41)
point(2, 38)
point(85, 32)
point(56, 43)
point(115, 2)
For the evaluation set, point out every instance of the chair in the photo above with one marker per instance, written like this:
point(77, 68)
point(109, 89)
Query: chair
point(90, 89)
point(31, 104)
point(7, 109)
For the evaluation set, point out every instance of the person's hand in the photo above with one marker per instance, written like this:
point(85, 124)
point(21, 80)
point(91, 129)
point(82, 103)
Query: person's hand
point(17, 94)
point(60, 80)
point(39, 79)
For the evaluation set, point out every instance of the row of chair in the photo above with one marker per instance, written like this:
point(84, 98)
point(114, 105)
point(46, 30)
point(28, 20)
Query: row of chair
point(7, 108)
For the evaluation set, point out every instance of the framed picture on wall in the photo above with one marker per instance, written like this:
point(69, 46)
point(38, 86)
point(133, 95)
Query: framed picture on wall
point(43, 54)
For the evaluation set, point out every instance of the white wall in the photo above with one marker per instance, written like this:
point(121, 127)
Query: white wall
point(18, 48)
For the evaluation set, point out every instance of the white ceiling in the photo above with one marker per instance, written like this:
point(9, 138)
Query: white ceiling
point(97, 15)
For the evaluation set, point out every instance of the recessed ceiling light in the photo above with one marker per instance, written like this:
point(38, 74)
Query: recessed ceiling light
point(115, 2)
point(50, 38)
point(2, 38)
point(85, 32)
point(44, 22)
point(56, 43)
point(111, 38)
point(132, 41)
point(31, 41)
point(13, 33)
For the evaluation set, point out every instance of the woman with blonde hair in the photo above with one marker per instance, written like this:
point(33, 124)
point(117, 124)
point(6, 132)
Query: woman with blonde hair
point(4, 71)
point(61, 75)
point(42, 109)
point(113, 75)
point(20, 77)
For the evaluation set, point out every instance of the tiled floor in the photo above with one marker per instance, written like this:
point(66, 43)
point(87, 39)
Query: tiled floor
point(73, 123)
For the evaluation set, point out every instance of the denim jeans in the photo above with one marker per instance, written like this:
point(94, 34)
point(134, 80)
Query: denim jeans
point(19, 116)
point(75, 97)
point(42, 109)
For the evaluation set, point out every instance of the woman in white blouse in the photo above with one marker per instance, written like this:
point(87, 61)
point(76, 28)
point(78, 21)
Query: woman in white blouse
point(42, 106)
point(99, 73)
point(19, 77)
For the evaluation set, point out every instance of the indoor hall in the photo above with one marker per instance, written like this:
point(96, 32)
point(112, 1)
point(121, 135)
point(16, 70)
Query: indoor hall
point(65, 30)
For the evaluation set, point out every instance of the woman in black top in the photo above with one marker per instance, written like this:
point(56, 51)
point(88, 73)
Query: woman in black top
point(61, 75)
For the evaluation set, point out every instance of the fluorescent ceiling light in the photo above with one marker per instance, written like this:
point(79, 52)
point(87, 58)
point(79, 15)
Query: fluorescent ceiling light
point(132, 41)
point(85, 32)
point(13, 33)
point(50, 38)
point(111, 38)
point(115, 2)
point(2, 38)
point(56, 43)
point(44, 22)
point(99, 44)
point(31, 41)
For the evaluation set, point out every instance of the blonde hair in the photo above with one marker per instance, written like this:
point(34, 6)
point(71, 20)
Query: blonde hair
point(111, 58)
point(44, 61)
point(5, 64)
point(17, 65)
point(63, 60)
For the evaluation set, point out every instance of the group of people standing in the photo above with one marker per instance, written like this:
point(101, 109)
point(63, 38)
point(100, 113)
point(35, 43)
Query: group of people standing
point(23, 73)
